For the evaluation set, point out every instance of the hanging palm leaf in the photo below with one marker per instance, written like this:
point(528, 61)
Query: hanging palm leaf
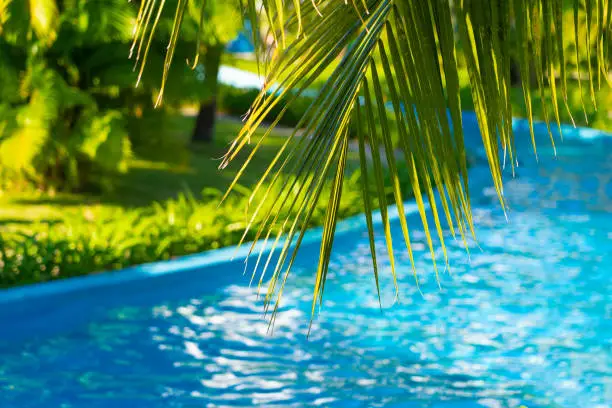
point(397, 57)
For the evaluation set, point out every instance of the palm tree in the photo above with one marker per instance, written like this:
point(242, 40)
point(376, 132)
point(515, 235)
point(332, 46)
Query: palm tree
point(401, 56)
point(220, 23)
point(208, 27)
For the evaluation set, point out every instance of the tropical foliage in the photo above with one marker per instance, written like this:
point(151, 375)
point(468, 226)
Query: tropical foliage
point(402, 56)
point(70, 115)
point(57, 128)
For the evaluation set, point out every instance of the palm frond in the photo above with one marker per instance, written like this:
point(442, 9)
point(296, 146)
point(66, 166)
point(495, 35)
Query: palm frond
point(398, 57)
point(205, 22)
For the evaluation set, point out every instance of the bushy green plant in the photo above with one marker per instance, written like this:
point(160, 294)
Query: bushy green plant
point(70, 114)
point(185, 225)
point(156, 136)
point(57, 128)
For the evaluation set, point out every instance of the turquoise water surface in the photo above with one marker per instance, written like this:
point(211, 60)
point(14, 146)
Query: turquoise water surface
point(525, 320)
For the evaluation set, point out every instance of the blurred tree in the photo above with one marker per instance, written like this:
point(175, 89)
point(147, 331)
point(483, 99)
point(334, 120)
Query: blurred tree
point(222, 22)
point(70, 115)
point(57, 127)
point(207, 27)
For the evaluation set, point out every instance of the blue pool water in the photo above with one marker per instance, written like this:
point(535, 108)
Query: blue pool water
point(527, 320)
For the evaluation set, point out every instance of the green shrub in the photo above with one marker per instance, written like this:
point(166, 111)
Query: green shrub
point(127, 237)
point(56, 128)
point(68, 94)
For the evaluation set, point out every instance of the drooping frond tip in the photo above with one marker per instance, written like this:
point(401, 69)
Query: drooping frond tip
point(396, 80)
point(147, 21)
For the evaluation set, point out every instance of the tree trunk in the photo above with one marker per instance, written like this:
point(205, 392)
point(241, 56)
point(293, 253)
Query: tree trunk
point(205, 122)
point(515, 73)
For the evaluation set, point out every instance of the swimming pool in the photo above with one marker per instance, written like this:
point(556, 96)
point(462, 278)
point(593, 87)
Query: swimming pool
point(527, 320)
